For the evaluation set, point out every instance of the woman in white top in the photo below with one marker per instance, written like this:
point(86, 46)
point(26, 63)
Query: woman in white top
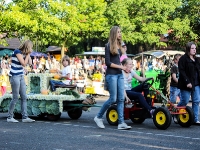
point(136, 92)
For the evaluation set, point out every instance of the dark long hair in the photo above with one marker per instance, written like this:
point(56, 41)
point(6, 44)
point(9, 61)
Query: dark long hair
point(188, 47)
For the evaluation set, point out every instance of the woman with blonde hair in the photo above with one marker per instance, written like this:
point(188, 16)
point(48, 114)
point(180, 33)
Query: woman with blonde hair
point(114, 79)
point(20, 58)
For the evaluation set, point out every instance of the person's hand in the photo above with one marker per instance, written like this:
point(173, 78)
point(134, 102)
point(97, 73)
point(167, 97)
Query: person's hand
point(123, 68)
point(127, 100)
point(189, 85)
point(57, 70)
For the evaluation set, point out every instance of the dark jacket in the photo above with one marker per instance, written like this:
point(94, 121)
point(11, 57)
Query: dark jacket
point(187, 72)
point(115, 59)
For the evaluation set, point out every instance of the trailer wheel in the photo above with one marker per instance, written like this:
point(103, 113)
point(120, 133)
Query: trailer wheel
point(53, 117)
point(162, 118)
point(75, 113)
point(112, 115)
point(186, 120)
point(42, 115)
point(138, 120)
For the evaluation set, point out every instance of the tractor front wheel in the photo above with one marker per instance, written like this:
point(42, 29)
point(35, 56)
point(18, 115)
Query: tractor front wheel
point(112, 115)
point(162, 118)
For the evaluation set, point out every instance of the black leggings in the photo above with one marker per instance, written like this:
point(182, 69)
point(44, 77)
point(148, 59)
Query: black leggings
point(136, 93)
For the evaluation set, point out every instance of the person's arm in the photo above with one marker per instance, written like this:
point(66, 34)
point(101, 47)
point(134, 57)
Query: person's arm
point(23, 61)
point(136, 76)
point(107, 59)
point(126, 97)
point(30, 61)
point(181, 67)
point(174, 77)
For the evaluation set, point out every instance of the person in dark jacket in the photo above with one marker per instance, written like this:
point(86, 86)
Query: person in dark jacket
point(114, 79)
point(189, 79)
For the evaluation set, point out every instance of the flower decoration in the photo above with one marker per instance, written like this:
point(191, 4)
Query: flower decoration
point(97, 77)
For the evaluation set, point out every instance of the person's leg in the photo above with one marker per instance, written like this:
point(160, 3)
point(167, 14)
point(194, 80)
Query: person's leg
point(15, 84)
point(195, 102)
point(120, 98)
point(173, 94)
point(142, 88)
point(138, 88)
point(54, 83)
point(136, 95)
point(185, 95)
point(22, 92)
point(112, 88)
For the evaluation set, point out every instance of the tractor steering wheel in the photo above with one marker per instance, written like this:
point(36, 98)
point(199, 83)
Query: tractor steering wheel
point(146, 84)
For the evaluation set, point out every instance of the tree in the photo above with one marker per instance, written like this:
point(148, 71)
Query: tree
point(145, 21)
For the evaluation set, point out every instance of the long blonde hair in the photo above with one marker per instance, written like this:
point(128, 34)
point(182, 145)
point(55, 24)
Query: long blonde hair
point(26, 47)
point(114, 42)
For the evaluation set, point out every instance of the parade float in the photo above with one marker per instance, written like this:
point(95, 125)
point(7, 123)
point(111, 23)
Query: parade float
point(42, 102)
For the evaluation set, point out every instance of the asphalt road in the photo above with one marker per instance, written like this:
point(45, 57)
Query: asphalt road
point(83, 134)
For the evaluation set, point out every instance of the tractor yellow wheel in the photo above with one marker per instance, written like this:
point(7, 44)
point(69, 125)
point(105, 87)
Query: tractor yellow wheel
point(162, 118)
point(184, 117)
point(186, 120)
point(112, 115)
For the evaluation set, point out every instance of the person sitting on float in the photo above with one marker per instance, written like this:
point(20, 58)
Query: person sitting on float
point(65, 73)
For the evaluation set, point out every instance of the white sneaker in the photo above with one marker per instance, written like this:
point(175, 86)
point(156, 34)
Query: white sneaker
point(99, 122)
point(12, 120)
point(123, 126)
point(28, 120)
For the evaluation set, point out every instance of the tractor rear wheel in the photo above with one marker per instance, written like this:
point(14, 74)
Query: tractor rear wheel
point(186, 120)
point(112, 115)
point(162, 118)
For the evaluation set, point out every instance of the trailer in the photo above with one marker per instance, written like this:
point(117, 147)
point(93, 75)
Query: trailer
point(42, 102)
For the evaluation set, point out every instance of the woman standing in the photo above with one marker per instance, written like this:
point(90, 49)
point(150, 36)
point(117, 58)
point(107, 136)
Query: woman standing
point(189, 79)
point(114, 79)
point(20, 58)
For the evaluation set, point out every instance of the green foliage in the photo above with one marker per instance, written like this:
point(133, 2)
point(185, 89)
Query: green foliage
point(35, 85)
point(35, 110)
point(42, 106)
point(52, 107)
point(68, 22)
point(75, 94)
point(70, 92)
point(5, 105)
point(36, 103)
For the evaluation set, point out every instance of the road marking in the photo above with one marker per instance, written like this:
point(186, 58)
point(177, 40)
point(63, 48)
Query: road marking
point(131, 131)
point(93, 136)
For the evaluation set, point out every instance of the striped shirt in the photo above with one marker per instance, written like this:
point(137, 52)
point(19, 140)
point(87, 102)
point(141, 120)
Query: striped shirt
point(16, 67)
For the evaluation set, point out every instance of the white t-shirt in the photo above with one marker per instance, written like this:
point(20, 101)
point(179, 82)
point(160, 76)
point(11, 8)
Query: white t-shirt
point(67, 70)
point(128, 80)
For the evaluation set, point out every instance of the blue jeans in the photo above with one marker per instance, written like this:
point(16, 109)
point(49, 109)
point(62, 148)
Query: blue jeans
point(174, 92)
point(54, 83)
point(195, 95)
point(115, 84)
point(136, 93)
point(18, 86)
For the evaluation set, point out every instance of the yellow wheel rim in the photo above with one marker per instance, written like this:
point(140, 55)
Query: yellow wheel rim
point(184, 117)
point(113, 116)
point(160, 118)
